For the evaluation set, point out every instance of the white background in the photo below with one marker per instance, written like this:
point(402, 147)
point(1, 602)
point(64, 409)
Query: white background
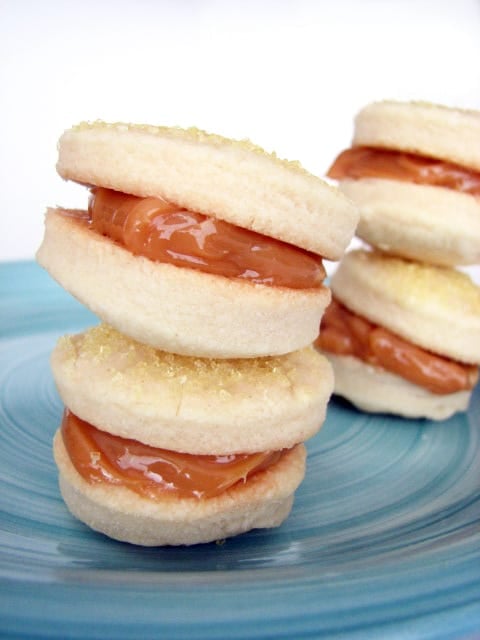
point(289, 75)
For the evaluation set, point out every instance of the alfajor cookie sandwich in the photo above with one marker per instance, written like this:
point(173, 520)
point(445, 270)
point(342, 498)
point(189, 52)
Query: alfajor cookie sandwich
point(403, 337)
point(414, 171)
point(193, 243)
point(163, 449)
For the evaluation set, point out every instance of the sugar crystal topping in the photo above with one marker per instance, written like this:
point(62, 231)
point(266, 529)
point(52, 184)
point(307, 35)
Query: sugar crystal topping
point(110, 349)
point(191, 134)
point(417, 283)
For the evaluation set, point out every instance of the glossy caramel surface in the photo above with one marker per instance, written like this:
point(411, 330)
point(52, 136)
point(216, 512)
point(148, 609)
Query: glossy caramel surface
point(369, 162)
point(345, 333)
point(165, 232)
point(99, 456)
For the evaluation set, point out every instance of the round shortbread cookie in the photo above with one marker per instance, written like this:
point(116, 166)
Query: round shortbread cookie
point(231, 180)
point(263, 501)
point(178, 309)
point(187, 404)
point(431, 130)
point(437, 308)
point(421, 222)
point(375, 390)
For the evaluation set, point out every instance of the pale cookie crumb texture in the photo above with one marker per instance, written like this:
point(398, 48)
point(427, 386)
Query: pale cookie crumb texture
point(436, 308)
point(415, 221)
point(423, 107)
point(194, 135)
point(414, 284)
point(232, 180)
point(437, 131)
point(106, 346)
point(190, 404)
point(375, 390)
point(177, 309)
point(264, 500)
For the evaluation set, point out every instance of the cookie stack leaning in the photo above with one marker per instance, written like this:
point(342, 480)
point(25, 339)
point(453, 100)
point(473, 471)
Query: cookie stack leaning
point(403, 330)
point(188, 406)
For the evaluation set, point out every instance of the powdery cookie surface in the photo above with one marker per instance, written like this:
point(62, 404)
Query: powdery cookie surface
point(421, 222)
point(376, 390)
point(419, 127)
point(177, 309)
point(264, 501)
point(189, 404)
point(437, 308)
point(231, 180)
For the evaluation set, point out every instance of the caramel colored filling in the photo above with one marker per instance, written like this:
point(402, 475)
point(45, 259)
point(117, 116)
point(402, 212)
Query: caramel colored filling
point(152, 472)
point(165, 232)
point(345, 333)
point(369, 162)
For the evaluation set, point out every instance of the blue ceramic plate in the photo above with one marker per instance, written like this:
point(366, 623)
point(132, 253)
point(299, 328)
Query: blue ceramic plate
point(383, 540)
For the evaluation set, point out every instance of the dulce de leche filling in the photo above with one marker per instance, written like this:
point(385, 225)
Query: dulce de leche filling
point(100, 457)
point(369, 162)
point(165, 232)
point(345, 333)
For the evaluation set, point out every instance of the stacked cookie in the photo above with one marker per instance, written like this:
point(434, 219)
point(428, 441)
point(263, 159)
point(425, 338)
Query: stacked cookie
point(187, 408)
point(403, 331)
